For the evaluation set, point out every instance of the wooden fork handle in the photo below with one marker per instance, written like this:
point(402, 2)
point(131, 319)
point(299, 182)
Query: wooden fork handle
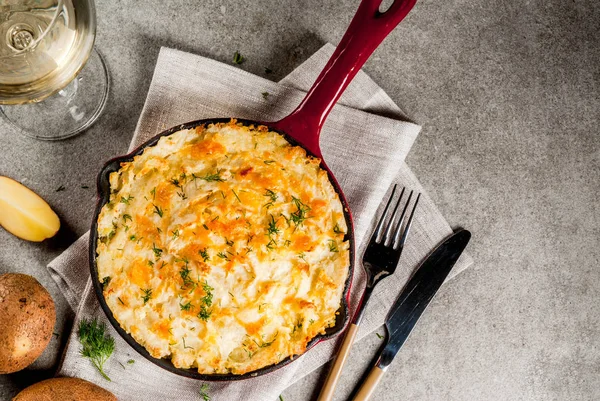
point(366, 390)
point(336, 370)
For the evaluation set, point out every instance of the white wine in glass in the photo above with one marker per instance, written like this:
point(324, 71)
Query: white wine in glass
point(53, 84)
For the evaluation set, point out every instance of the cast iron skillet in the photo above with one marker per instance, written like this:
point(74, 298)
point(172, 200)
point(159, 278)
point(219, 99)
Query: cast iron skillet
point(302, 128)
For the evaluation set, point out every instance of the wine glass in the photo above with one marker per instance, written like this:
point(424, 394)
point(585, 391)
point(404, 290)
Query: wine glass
point(53, 83)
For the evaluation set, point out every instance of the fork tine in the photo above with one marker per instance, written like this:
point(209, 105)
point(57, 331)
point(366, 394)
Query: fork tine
point(400, 245)
point(388, 235)
point(377, 234)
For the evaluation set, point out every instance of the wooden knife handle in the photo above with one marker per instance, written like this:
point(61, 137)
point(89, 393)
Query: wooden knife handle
point(338, 364)
point(366, 390)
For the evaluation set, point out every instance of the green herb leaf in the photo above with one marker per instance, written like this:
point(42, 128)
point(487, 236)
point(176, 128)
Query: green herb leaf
point(300, 214)
point(84, 187)
point(236, 195)
point(333, 246)
point(157, 251)
point(158, 211)
point(130, 362)
point(98, 346)
point(127, 217)
point(61, 188)
point(105, 282)
point(379, 335)
point(126, 200)
point(337, 229)
point(265, 95)
point(204, 254)
point(186, 307)
point(204, 392)
point(147, 295)
point(272, 229)
point(238, 58)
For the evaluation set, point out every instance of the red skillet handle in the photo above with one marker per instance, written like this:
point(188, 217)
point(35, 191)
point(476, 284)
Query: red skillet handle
point(366, 31)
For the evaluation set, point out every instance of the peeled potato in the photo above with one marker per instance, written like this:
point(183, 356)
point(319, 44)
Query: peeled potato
point(24, 214)
point(27, 317)
point(64, 389)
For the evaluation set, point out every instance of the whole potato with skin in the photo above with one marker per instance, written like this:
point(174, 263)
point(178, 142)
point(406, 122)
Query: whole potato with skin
point(27, 317)
point(64, 389)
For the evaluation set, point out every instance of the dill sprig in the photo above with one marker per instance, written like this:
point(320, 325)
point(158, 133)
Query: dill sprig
point(300, 214)
point(333, 246)
point(98, 345)
point(204, 392)
point(127, 217)
point(147, 295)
point(337, 229)
point(212, 177)
point(105, 282)
point(158, 211)
point(272, 228)
point(186, 307)
point(204, 254)
point(157, 251)
point(126, 200)
point(206, 302)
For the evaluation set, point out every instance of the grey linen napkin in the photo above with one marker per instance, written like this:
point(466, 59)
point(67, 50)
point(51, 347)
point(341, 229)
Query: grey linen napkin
point(364, 141)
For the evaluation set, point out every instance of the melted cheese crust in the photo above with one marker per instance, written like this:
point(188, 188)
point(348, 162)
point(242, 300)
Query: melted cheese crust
point(222, 248)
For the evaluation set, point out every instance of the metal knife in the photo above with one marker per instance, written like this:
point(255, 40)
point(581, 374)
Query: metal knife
point(411, 303)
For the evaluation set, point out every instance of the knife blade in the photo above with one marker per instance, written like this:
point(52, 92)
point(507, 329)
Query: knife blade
point(412, 302)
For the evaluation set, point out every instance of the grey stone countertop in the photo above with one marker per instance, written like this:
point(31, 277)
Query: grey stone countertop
point(508, 94)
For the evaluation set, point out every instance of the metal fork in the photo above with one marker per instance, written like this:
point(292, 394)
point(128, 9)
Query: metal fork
point(379, 261)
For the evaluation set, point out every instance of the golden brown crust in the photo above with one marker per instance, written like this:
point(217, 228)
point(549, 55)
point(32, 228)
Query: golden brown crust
point(28, 315)
point(222, 248)
point(64, 389)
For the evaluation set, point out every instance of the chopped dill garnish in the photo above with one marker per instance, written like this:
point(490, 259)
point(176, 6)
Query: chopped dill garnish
point(204, 392)
point(333, 246)
point(215, 219)
point(158, 211)
point(151, 263)
point(265, 95)
point(126, 200)
point(266, 344)
point(204, 254)
point(299, 215)
point(238, 58)
point(182, 195)
point(121, 301)
point(185, 307)
point(130, 362)
point(208, 297)
point(147, 295)
point(105, 282)
point(205, 227)
point(213, 177)
point(153, 193)
point(337, 229)
point(175, 234)
point(61, 188)
point(272, 229)
point(271, 244)
point(176, 182)
point(204, 313)
point(157, 251)
point(98, 345)
point(268, 161)
point(271, 194)
point(207, 301)
point(132, 237)
point(379, 335)
point(222, 256)
point(185, 275)
point(236, 195)
point(287, 242)
point(185, 346)
point(228, 242)
point(127, 217)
